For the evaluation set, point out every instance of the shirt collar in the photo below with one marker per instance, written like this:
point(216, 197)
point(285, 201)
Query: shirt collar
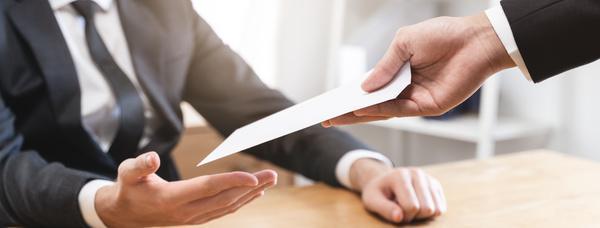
point(58, 4)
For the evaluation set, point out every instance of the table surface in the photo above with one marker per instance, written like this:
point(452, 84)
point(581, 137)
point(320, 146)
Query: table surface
point(527, 189)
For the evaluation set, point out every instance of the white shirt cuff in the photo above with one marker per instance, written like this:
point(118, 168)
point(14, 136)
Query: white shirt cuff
point(342, 169)
point(502, 28)
point(87, 199)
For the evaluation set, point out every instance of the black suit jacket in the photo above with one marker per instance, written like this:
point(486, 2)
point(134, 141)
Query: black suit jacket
point(46, 156)
point(554, 36)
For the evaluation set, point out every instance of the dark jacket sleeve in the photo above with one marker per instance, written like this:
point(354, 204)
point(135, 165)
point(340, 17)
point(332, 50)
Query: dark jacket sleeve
point(33, 192)
point(226, 91)
point(554, 36)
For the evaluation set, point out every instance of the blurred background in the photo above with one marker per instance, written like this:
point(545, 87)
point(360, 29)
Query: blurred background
point(304, 48)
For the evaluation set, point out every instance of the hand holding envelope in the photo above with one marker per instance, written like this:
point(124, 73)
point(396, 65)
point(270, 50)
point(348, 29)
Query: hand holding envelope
point(450, 59)
point(336, 102)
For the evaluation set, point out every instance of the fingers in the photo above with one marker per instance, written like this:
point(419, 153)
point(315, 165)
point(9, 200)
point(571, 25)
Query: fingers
point(427, 207)
point(405, 195)
point(399, 107)
point(381, 202)
point(225, 211)
point(133, 169)
point(382, 111)
point(266, 176)
point(206, 186)
point(231, 207)
point(385, 70)
point(351, 118)
point(266, 179)
point(438, 196)
point(392, 108)
point(223, 199)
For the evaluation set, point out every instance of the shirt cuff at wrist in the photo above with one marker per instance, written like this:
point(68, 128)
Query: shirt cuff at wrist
point(87, 199)
point(502, 28)
point(342, 169)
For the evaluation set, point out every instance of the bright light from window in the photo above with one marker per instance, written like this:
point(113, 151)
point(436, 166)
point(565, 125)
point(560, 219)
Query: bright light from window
point(249, 27)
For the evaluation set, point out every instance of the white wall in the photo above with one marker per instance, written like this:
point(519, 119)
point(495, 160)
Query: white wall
point(581, 112)
point(303, 47)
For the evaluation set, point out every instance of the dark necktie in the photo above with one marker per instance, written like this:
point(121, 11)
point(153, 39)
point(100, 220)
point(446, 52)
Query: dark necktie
point(131, 109)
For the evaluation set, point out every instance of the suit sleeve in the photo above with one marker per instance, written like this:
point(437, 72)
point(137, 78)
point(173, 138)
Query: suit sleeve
point(34, 192)
point(226, 91)
point(554, 36)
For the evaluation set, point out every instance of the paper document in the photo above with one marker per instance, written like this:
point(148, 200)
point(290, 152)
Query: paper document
point(339, 101)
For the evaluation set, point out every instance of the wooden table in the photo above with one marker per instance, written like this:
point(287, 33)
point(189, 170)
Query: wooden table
point(528, 189)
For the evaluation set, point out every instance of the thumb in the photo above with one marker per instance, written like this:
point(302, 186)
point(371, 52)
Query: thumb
point(131, 170)
point(393, 59)
point(377, 202)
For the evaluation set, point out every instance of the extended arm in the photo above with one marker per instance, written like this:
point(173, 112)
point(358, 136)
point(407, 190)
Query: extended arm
point(452, 57)
point(225, 90)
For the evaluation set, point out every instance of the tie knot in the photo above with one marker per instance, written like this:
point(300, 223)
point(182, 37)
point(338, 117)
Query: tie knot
point(87, 8)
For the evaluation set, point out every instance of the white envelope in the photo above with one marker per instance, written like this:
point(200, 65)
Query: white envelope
point(339, 101)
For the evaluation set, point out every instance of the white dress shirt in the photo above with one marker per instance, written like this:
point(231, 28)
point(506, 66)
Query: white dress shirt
point(99, 112)
point(502, 28)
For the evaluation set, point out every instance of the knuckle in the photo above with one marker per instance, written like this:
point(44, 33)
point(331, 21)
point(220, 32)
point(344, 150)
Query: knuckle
point(412, 208)
point(399, 171)
point(400, 32)
point(406, 173)
point(427, 211)
point(413, 170)
point(417, 172)
point(400, 176)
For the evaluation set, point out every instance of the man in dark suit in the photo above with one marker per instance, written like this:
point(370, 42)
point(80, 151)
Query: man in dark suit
point(452, 57)
point(88, 86)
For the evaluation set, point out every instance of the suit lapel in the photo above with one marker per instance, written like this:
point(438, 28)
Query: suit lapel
point(35, 20)
point(143, 32)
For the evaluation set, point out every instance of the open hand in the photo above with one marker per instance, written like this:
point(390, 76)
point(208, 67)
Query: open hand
point(140, 198)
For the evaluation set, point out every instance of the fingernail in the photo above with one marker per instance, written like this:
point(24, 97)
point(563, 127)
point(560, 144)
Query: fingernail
point(148, 160)
point(365, 86)
point(396, 215)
